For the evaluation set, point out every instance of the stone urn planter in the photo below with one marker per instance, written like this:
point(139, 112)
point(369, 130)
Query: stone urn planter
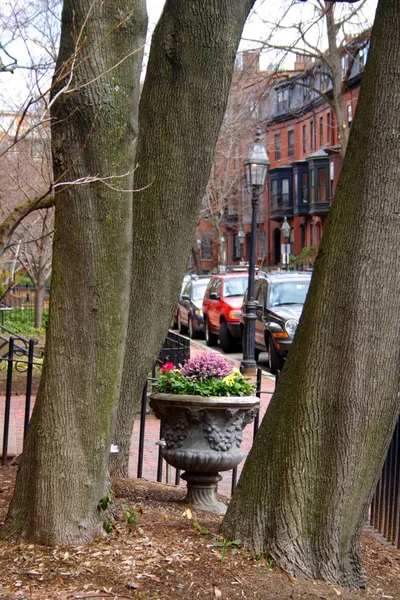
point(202, 437)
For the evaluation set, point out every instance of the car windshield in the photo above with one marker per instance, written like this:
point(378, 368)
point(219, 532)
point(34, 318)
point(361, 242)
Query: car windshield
point(199, 291)
point(235, 287)
point(288, 292)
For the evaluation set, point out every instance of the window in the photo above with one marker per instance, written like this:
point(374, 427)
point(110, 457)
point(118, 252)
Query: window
point(283, 100)
point(362, 56)
point(278, 146)
point(324, 81)
point(236, 248)
point(304, 136)
point(329, 128)
point(261, 245)
point(312, 135)
point(331, 179)
point(345, 64)
point(302, 237)
point(274, 192)
point(206, 247)
point(312, 184)
point(349, 115)
point(321, 131)
point(322, 185)
point(290, 143)
point(236, 158)
point(304, 188)
point(285, 191)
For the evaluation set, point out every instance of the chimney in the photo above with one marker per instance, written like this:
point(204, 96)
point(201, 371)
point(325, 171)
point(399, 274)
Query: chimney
point(302, 62)
point(251, 61)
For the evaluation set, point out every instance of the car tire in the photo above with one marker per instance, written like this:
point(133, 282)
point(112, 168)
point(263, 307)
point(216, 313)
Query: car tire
point(225, 338)
point(182, 328)
point(275, 361)
point(192, 332)
point(211, 338)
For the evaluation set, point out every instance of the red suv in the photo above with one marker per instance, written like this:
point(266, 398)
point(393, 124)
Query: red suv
point(222, 309)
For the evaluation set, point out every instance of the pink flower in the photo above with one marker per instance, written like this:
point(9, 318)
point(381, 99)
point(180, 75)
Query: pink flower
point(168, 366)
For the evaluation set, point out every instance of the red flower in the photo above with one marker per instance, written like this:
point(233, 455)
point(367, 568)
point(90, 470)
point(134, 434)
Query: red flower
point(168, 366)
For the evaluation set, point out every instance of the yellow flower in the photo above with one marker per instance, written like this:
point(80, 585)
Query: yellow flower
point(230, 379)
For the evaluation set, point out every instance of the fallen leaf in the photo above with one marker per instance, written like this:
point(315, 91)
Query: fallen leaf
point(217, 592)
point(187, 513)
point(338, 592)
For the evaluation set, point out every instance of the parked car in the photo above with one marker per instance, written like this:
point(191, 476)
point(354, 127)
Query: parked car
point(190, 311)
point(222, 309)
point(174, 320)
point(280, 298)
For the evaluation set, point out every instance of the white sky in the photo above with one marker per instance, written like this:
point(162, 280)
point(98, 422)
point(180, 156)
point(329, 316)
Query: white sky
point(266, 12)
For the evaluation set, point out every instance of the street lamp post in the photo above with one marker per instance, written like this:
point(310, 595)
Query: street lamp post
point(285, 229)
point(255, 167)
point(241, 238)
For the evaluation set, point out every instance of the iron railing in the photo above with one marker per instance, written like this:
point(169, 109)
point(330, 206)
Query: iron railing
point(385, 507)
point(18, 354)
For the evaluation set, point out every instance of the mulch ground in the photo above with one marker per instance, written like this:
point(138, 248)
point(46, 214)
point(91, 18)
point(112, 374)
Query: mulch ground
point(170, 553)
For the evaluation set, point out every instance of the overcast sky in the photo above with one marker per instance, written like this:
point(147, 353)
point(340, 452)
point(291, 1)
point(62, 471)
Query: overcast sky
point(260, 22)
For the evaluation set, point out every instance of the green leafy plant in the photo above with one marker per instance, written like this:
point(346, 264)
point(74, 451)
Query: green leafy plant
point(197, 528)
point(107, 527)
point(131, 516)
point(205, 375)
point(106, 501)
point(225, 544)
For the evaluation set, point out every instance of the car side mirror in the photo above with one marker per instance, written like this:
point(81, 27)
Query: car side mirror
point(214, 296)
point(185, 297)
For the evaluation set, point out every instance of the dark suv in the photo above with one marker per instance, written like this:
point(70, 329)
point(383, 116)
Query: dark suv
point(190, 313)
point(222, 306)
point(280, 298)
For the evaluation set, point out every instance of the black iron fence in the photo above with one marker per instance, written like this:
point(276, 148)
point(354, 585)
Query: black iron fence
point(18, 355)
point(385, 507)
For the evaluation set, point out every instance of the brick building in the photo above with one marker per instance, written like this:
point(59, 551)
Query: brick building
point(302, 137)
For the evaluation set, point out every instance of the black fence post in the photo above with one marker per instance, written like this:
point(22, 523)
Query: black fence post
point(7, 408)
point(143, 408)
point(28, 387)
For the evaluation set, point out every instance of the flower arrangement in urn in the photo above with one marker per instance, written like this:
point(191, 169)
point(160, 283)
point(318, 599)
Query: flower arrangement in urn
point(204, 375)
point(204, 407)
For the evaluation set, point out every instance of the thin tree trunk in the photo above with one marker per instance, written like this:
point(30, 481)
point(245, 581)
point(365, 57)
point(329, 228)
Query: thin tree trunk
point(181, 109)
point(307, 484)
point(197, 259)
point(335, 59)
point(63, 471)
point(39, 303)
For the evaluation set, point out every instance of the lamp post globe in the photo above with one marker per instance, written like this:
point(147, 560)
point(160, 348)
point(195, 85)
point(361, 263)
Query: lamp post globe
point(255, 168)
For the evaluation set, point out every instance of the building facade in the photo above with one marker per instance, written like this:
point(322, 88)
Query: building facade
point(303, 140)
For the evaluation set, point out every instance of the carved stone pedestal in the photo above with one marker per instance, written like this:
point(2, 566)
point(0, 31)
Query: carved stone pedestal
point(202, 437)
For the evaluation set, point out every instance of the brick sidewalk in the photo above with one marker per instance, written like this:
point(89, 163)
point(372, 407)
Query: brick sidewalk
point(152, 432)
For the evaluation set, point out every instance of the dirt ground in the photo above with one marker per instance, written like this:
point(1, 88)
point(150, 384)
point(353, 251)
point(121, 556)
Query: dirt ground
point(168, 554)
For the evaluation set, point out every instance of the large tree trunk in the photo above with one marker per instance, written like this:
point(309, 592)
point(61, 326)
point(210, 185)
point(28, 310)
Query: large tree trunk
point(307, 484)
point(181, 110)
point(63, 472)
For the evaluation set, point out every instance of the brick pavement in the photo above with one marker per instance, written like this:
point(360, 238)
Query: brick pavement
point(152, 432)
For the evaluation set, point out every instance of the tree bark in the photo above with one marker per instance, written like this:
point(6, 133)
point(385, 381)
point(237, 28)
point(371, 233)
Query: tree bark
point(305, 489)
point(335, 60)
point(39, 303)
point(181, 111)
point(62, 476)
